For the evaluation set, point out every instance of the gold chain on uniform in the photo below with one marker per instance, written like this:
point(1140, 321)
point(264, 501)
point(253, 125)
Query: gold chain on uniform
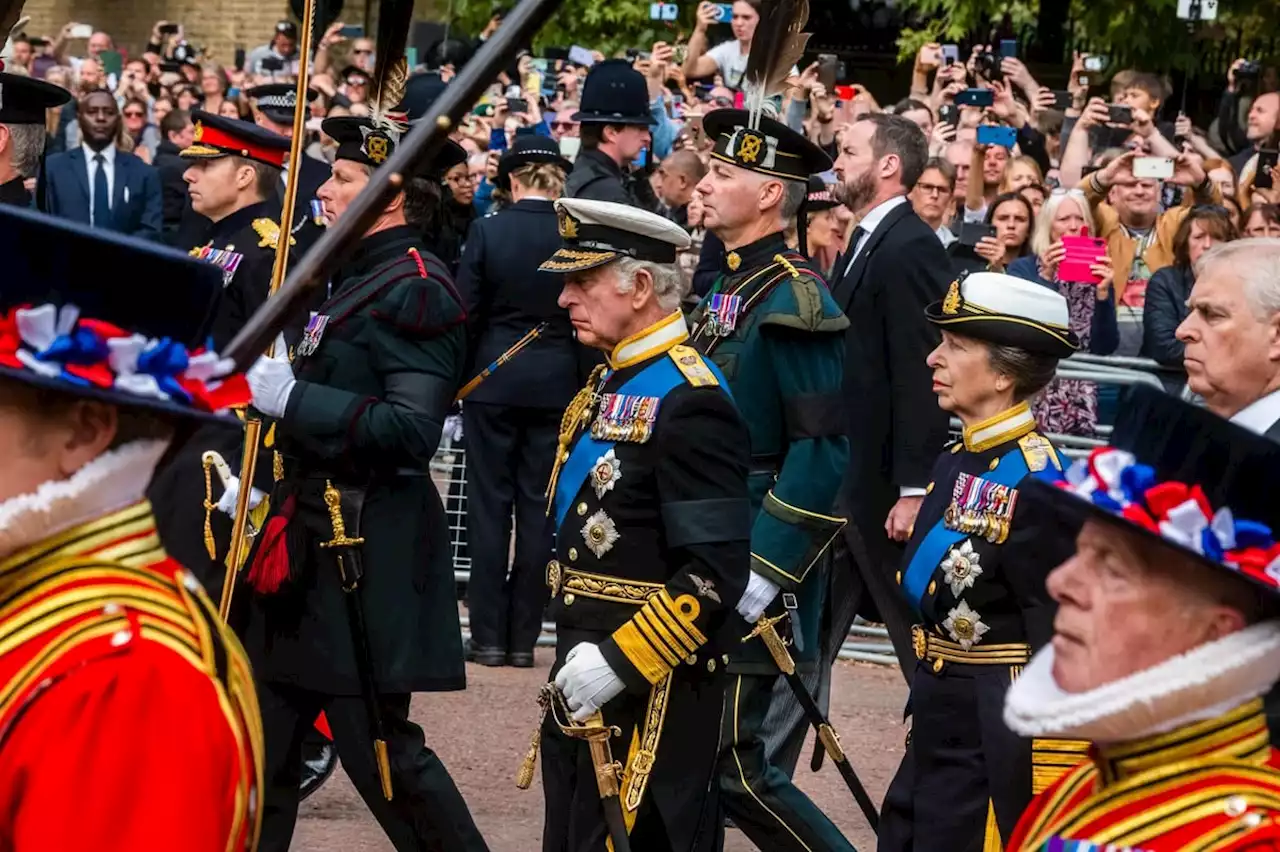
point(576, 416)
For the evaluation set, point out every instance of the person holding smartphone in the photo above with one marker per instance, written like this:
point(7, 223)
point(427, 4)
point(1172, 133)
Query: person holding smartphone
point(728, 59)
point(1068, 406)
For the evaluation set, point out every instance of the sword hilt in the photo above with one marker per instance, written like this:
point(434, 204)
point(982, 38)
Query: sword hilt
point(768, 634)
point(333, 500)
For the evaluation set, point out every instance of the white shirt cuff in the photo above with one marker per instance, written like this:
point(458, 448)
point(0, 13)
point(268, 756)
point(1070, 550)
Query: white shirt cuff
point(910, 491)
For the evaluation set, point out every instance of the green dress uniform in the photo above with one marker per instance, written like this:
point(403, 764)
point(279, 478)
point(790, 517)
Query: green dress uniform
point(974, 572)
point(376, 371)
point(649, 499)
point(771, 326)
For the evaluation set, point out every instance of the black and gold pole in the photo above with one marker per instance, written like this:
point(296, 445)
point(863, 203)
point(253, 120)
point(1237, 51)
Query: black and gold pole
point(530, 336)
point(252, 424)
point(766, 629)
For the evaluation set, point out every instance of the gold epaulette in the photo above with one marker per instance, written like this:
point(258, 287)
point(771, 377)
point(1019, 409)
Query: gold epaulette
point(694, 369)
point(1038, 452)
point(268, 231)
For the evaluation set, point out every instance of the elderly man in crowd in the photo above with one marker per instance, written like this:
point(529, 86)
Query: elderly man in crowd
point(650, 500)
point(1232, 334)
point(1165, 638)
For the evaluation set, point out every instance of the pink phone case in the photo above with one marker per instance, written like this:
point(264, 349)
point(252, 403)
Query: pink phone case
point(1081, 253)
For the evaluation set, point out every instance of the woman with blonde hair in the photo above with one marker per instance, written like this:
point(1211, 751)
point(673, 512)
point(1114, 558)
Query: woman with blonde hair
point(1021, 171)
point(1067, 405)
point(511, 422)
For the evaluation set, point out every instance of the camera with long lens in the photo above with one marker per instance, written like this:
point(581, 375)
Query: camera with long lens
point(987, 65)
point(1250, 69)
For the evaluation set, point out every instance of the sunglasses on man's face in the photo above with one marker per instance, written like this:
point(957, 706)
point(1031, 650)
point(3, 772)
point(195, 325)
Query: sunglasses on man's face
point(563, 125)
point(357, 81)
point(132, 114)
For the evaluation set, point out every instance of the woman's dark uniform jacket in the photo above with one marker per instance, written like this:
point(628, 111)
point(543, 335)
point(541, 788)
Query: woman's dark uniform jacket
point(650, 568)
point(974, 572)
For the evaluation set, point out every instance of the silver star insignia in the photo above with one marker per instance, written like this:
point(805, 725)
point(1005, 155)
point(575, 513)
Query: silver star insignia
point(961, 567)
point(607, 471)
point(965, 626)
point(600, 533)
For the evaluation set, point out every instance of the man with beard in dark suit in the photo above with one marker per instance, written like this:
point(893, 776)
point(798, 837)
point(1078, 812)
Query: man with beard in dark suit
point(893, 268)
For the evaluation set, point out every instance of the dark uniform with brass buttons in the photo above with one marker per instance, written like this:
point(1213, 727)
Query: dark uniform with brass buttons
point(975, 571)
point(649, 495)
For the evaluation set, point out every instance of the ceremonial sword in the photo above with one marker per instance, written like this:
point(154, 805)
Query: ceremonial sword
point(826, 734)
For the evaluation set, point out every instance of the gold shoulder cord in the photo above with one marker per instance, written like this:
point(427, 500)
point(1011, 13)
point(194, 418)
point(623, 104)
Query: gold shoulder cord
point(575, 417)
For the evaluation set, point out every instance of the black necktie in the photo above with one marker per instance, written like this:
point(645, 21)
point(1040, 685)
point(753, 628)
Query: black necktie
point(101, 195)
point(858, 233)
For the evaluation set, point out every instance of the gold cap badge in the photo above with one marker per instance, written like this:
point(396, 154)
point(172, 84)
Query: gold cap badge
point(199, 132)
point(951, 304)
point(568, 226)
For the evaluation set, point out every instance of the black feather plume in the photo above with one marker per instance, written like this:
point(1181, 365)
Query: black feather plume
point(391, 73)
point(776, 48)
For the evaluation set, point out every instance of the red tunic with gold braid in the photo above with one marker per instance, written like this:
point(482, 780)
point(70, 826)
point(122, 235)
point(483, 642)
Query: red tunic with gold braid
point(128, 718)
point(1213, 785)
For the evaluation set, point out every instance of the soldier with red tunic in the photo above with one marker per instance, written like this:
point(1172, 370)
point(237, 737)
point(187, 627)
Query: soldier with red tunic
point(128, 716)
point(1165, 639)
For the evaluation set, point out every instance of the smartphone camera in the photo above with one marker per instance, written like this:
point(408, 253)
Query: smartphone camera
point(1117, 114)
point(1249, 70)
point(988, 66)
point(1095, 63)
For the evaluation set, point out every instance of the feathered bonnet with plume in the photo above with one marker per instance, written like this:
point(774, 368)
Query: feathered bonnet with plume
point(391, 72)
point(778, 45)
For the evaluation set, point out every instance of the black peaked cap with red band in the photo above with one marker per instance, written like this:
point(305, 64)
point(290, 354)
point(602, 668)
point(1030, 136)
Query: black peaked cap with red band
point(216, 136)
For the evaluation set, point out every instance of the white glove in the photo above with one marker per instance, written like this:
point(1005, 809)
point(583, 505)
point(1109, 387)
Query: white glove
point(271, 380)
point(755, 600)
point(227, 503)
point(453, 427)
point(587, 681)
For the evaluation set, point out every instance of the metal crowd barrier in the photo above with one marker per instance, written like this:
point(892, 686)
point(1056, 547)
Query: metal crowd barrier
point(868, 643)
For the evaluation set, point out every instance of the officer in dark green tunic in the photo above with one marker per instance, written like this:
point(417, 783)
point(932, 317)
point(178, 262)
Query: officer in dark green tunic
point(771, 326)
point(359, 414)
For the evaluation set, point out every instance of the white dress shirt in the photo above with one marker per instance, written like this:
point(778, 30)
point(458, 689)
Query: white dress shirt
point(109, 163)
point(872, 220)
point(1260, 415)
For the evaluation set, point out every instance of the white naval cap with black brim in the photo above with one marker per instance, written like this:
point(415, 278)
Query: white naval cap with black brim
point(599, 232)
point(1008, 311)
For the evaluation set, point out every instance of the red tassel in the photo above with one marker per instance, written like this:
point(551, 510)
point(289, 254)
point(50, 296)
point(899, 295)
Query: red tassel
point(322, 725)
point(270, 566)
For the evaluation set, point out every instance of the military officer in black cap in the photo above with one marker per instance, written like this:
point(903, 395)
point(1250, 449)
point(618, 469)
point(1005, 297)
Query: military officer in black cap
point(974, 572)
point(24, 103)
point(511, 420)
point(358, 416)
point(616, 116)
point(771, 325)
point(649, 499)
point(274, 106)
point(235, 167)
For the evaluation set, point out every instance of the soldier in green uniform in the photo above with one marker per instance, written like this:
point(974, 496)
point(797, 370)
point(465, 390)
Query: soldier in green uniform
point(649, 492)
point(771, 326)
point(358, 416)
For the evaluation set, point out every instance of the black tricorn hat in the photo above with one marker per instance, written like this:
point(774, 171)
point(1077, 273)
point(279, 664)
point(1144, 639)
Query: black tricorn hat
point(1179, 475)
point(525, 151)
point(61, 330)
point(614, 93)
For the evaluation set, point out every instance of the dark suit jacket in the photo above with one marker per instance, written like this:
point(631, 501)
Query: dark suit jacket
point(67, 193)
point(175, 198)
point(896, 429)
point(505, 296)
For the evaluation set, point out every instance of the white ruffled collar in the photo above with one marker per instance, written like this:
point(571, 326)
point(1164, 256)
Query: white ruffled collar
point(1201, 684)
point(107, 484)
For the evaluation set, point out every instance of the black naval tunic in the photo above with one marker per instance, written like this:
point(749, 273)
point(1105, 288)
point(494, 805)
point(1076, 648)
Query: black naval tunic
point(975, 572)
point(14, 192)
point(374, 384)
point(243, 245)
point(652, 553)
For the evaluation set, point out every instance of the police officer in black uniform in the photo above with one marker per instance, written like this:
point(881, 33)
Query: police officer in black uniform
point(649, 497)
point(975, 570)
point(23, 105)
point(274, 107)
point(512, 419)
point(616, 117)
point(358, 416)
point(235, 167)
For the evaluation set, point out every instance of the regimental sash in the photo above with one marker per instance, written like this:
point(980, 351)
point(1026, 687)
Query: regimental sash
point(648, 388)
point(1011, 469)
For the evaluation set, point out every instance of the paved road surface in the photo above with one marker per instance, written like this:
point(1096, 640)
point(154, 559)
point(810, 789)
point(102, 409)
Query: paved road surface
point(482, 734)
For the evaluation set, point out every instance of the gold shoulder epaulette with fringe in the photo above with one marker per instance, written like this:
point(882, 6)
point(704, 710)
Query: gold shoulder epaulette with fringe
point(695, 370)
